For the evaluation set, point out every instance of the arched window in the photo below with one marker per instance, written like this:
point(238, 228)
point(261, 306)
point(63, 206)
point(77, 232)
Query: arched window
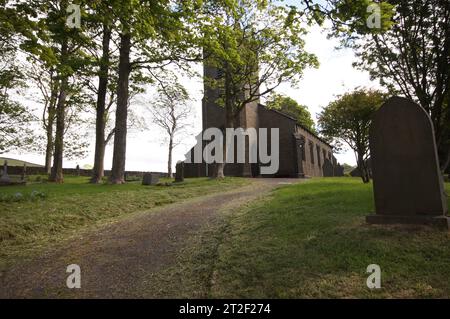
point(318, 155)
point(311, 151)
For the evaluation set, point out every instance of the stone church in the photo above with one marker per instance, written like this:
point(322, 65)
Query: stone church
point(302, 153)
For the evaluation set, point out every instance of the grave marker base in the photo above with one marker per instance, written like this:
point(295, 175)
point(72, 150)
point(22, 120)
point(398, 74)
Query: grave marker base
point(435, 221)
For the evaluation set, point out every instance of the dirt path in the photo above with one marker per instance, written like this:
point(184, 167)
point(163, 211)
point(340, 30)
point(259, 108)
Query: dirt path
point(115, 258)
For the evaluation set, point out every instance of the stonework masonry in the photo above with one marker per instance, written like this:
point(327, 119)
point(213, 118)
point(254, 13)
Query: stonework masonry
point(302, 153)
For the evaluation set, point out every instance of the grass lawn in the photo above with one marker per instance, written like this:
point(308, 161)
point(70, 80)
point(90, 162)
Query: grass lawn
point(311, 241)
point(33, 216)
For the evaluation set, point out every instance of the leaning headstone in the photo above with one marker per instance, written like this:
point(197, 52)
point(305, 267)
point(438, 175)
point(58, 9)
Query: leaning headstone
point(408, 186)
point(5, 177)
point(179, 174)
point(150, 179)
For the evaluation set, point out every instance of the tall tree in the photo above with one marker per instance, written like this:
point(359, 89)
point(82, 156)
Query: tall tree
point(257, 45)
point(43, 24)
point(76, 134)
point(14, 117)
point(102, 13)
point(346, 121)
point(152, 34)
point(408, 50)
point(171, 110)
point(47, 84)
point(291, 107)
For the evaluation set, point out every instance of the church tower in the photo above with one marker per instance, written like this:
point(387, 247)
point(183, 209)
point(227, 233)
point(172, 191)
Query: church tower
point(213, 115)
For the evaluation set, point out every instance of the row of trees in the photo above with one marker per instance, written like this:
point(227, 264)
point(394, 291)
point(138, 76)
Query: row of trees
point(122, 45)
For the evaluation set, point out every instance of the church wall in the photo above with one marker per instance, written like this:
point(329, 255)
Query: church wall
point(269, 119)
point(313, 163)
point(257, 116)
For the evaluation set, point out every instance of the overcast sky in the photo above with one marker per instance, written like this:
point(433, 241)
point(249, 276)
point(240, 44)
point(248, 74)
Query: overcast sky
point(318, 87)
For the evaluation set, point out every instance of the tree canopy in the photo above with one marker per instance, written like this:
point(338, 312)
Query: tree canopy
point(409, 53)
point(292, 108)
point(346, 122)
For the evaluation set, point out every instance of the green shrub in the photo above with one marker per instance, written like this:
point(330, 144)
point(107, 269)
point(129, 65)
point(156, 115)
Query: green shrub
point(21, 197)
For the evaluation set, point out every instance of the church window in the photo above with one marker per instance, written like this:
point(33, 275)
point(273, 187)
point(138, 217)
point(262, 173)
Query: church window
point(311, 151)
point(318, 155)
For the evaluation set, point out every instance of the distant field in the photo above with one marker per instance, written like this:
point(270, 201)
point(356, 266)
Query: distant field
point(14, 162)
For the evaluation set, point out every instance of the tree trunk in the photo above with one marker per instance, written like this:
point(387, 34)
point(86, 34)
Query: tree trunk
point(219, 168)
point(100, 143)
point(120, 137)
point(49, 148)
point(362, 167)
point(49, 128)
point(169, 162)
point(57, 168)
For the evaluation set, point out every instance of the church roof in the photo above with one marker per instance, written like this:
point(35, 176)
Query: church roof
point(296, 121)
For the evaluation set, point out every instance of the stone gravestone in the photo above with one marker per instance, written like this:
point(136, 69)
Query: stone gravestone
point(179, 174)
point(150, 179)
point(408, 186)
point(23, 177)
point(328, 168)
point(339, 170)
point(5, 177)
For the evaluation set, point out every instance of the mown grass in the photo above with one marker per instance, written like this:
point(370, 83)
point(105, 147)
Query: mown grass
point(33, 216)
point(311, 241)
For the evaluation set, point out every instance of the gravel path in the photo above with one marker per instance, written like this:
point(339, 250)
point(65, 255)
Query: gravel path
point(115, 257)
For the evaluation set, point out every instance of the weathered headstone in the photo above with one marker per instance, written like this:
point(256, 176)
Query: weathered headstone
point(408, 186)
point(5, 177)
point(150, 179)
point(327, 168)
point(339, 170)
point(179, 174)
point(24, 173)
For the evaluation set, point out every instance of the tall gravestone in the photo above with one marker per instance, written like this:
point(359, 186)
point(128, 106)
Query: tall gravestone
point(327, 168)
point(179, 174)
point(23, 177)
point(4, 178)
point(339, 170)
point(408, 186)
